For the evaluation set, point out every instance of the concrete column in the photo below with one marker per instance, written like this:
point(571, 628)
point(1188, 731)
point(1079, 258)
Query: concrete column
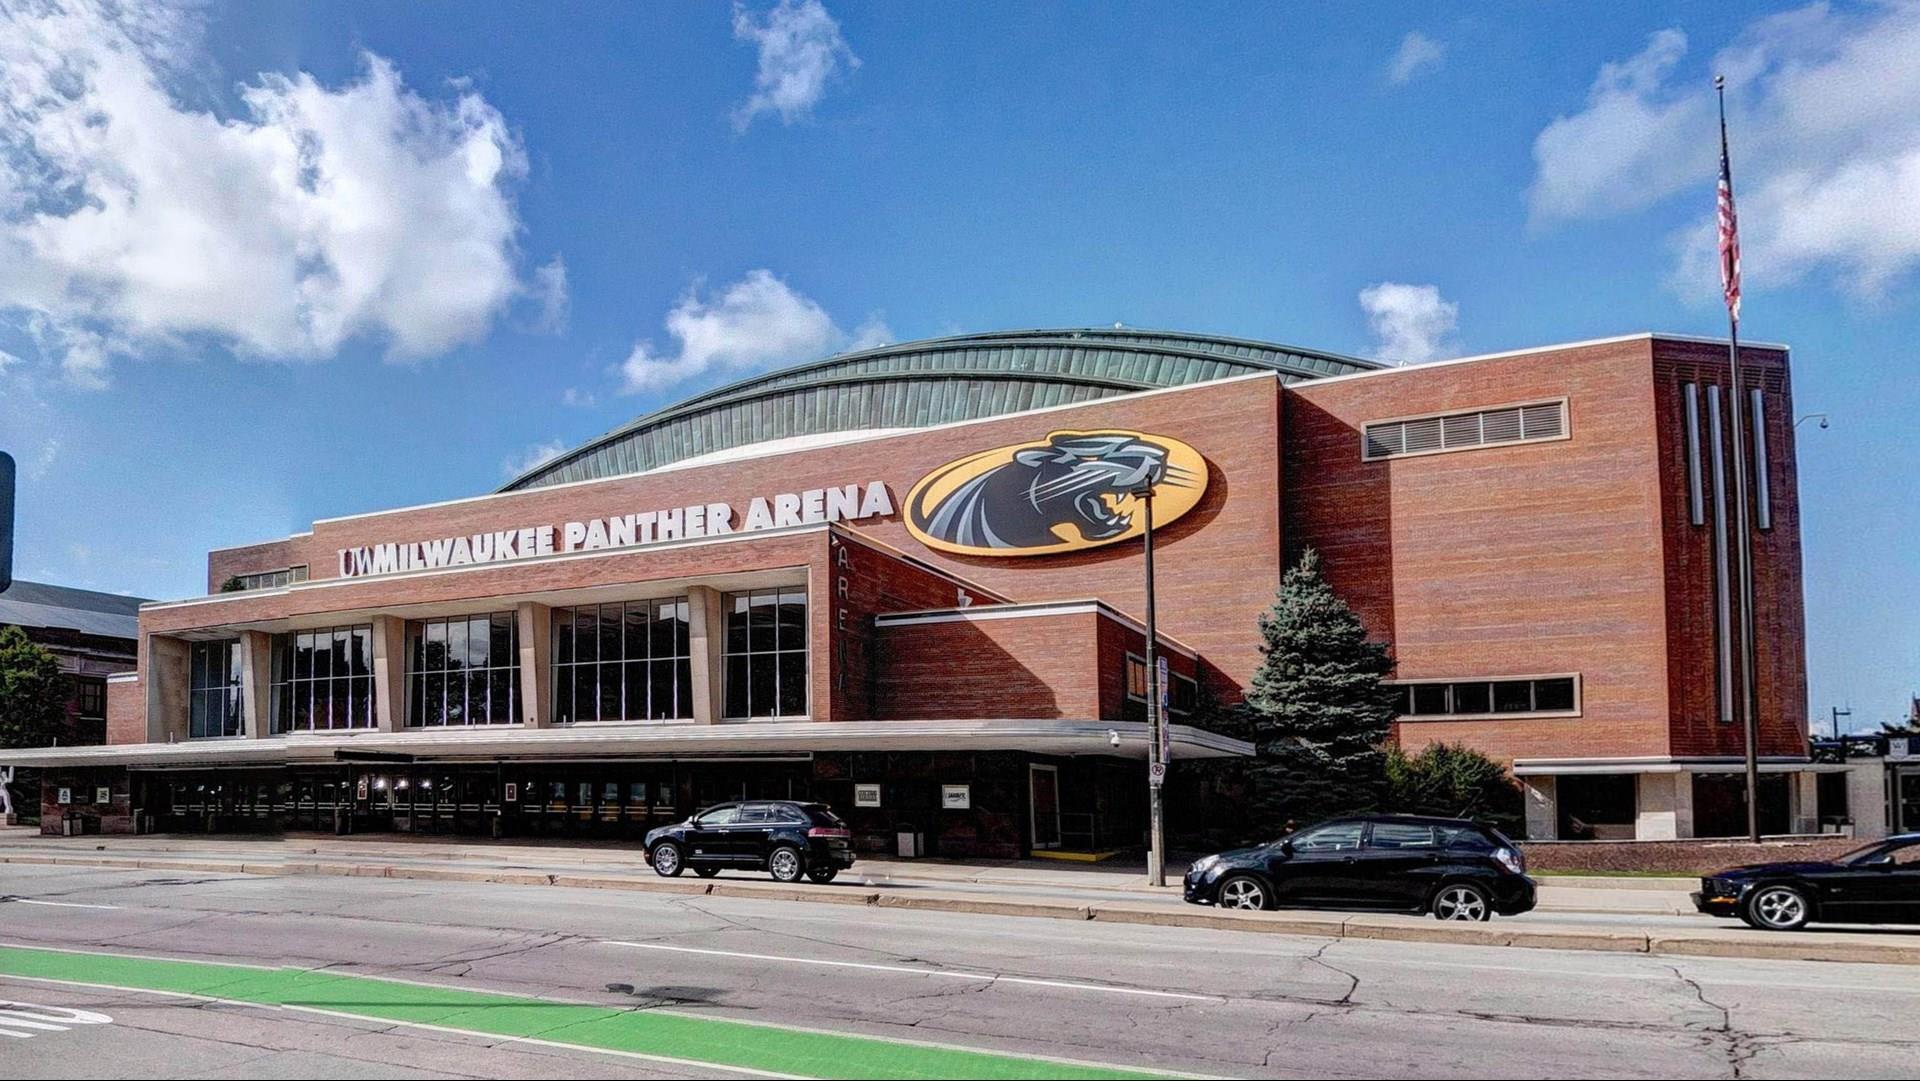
point(166, 668)
point(706, 635)
point(1543, 808)
point(256, 683)
point(1867, 802)
point(1803, 802)
point(389, 673)
point(536, 654)
point(1683, 805)
point(1658, 815)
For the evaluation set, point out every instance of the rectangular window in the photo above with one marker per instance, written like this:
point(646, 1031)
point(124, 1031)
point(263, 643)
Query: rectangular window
point(1762, 486)
point(213, 689)
point(463, 670)
point(1533, 422)
point(1531, 695)
point(90, 698)
point(766, 653)
point(623, 661)
point(274, 579)
point(1183, 693)
point(322, 680)
point(1696, 501)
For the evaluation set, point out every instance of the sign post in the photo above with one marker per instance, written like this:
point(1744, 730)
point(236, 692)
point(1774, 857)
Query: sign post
point(1156, 718)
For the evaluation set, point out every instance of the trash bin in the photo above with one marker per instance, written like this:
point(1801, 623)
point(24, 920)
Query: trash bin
point(70, 825)
point(911, 842)
point(342, 821)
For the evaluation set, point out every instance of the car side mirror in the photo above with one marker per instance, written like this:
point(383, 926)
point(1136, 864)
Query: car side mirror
point(1286, 848)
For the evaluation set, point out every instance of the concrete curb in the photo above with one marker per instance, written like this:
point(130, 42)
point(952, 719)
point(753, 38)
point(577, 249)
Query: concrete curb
point(1730, 942)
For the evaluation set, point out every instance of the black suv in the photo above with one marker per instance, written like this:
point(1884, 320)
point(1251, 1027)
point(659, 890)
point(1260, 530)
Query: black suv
point(1451, 867)
point(783, 838)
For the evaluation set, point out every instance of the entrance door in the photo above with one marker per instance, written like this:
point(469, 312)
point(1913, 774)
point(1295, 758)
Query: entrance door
point(1045, 783)
point(1906, 796)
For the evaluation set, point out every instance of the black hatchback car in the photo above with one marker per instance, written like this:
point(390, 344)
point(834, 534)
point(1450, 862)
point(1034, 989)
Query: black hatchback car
point(783, 838)
point(1451, 867)
point(1875, 883)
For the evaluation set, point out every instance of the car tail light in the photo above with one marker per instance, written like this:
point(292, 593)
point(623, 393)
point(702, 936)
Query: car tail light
point(1511, 859)
point(822, 831)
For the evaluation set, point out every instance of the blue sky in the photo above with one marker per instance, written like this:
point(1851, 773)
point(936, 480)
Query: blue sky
point(266, 263)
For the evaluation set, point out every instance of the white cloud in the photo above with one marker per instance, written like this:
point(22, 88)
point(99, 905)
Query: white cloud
point(755, 322)
point(577, 398)
point(801, 52)
point(1411, 323)
point(131, 220)
point(1417, 55)
point(1824, 106)
point(538, 454)
point(548, 289)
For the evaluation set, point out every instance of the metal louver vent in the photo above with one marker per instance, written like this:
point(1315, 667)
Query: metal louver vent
point(1528, 423)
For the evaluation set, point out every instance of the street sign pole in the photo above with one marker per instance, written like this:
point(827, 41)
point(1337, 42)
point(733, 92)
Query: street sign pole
point(1156, 721)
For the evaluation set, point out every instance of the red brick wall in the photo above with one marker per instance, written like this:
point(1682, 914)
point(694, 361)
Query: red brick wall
point(274, 555)
point(1031, 667)
point(1779, 616)
point(1516, 560)
point(126, 711)
point(864, 580)
point(1217, 566)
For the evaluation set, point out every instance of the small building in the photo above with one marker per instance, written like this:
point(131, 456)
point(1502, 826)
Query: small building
point(95, 637)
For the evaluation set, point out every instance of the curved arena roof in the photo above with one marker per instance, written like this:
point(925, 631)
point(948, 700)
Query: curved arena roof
point(916, 384)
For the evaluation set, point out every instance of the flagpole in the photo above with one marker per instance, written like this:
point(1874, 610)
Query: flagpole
point(1749, 694)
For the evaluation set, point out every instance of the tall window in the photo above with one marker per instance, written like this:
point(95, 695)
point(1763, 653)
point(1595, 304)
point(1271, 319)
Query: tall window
point(90, 697)
point(464, 670)
point(213, 689)
point(766, 653)
point(622, 662)
point(323, 679)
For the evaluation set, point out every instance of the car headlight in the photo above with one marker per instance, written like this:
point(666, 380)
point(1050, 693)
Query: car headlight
point(1204, 864)
point(1511, 860)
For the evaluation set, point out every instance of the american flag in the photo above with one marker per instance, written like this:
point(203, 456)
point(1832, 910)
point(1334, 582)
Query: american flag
point(1729, 233)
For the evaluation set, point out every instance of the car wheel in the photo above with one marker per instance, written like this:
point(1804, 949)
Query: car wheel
point(822, 875)
point(667, 860)
point(706, 872)
point(1462, 901)
point(784, 864)
point(1777, 908)
point(1243, 892)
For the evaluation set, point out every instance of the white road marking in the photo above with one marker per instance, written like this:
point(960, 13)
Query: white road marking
point(980, 977)
point(1653, 977)
point(51, 904)
point(37, 1019)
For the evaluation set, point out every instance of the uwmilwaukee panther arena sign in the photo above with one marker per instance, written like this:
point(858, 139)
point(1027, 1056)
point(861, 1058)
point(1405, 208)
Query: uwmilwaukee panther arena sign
point(849, 502)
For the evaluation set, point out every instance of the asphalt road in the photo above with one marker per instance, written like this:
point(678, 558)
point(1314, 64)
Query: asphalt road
point(1034, 992)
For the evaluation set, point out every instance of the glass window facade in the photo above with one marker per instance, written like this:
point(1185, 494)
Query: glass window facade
point(463, 670)
point(322, 680)
point(213, 689)
point(766, 653)
point(623, 661)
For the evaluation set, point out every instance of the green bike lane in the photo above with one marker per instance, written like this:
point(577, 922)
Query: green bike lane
point(654, 1034)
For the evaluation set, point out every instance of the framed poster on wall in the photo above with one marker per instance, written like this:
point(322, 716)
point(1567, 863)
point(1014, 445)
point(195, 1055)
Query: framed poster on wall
point(956, 797)
point(866, 795)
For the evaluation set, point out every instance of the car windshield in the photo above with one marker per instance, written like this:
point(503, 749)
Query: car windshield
point(1877, 848)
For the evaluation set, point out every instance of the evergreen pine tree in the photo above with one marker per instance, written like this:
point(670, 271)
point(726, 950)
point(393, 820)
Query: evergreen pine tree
point(1321, 715)
point(33, 693)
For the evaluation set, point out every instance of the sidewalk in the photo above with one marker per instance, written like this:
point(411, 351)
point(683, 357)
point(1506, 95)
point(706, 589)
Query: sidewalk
point(1634, 919)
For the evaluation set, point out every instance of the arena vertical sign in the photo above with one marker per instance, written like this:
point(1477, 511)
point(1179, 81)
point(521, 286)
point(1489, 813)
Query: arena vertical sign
point(7, 473)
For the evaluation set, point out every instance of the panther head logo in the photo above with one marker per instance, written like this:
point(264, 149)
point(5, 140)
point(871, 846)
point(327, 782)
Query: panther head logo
point(1071, 490)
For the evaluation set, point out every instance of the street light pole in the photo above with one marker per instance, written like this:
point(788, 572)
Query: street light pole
point(1156, 765)
point(1837, 714)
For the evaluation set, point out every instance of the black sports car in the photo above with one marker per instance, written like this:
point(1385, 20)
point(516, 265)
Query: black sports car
point(1875, 883)
point(1451, 867)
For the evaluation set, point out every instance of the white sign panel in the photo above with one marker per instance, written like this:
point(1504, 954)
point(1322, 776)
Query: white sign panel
point(65, 796)
point(1897, 746)
point(847, 502)
point(866, 795)
point(956, 797)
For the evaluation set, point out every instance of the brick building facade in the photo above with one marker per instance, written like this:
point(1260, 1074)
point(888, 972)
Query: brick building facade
point(909, 582)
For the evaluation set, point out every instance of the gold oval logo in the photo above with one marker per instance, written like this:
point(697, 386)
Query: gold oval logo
point(1069, 491)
